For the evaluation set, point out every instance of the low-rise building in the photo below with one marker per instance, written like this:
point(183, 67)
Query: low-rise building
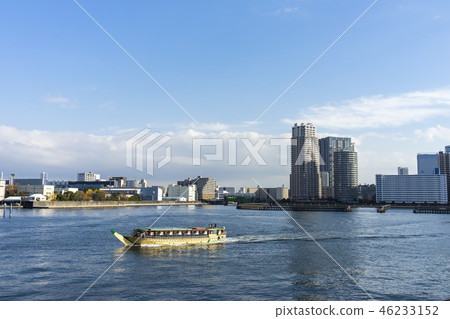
point(84, 186)
point(206, 187)
point(121, 190)
point(223, 191)
point(277, 193)
point(2, 189)
point(87, 177)
point(248, 190)
point(152, 193)
point(64, 189)
point(411, 188)
point(177, 191)
point(27, 190)
point(119, 181)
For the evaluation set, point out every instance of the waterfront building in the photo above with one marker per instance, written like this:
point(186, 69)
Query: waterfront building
point(328, 146)
point(144, 183)
point(402, 170)
point(444, 166)
point(2, 189)
point(188, 192)
point(271, 193)
point(65, 189)
point(228, 189)
point(248, 190)
point(129, 191)
point(26, 190)
point(327, 190)
point(206, 187)
point(152, 193)
point(305, 163)
point(223, 191)
point(411, 189)
point(133, 183)
point(119, 181)
point(58, 183)
point(427, 164)
point(29, 181)
point(84, 186)
point(367, 192)
point(345, 170)
point(88, 177)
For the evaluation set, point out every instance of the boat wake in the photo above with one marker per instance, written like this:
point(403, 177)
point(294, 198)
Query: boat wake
point(303, 237)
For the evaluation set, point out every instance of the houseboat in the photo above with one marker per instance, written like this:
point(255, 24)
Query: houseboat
point(173, 236)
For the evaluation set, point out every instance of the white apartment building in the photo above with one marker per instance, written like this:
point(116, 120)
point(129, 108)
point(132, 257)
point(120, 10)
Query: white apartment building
point(411, 188)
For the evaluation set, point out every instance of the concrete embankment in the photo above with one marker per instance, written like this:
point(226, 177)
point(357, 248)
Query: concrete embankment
point(97, 205)
point(296, 207)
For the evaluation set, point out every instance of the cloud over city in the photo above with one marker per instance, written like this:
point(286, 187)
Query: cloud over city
point(379, 110)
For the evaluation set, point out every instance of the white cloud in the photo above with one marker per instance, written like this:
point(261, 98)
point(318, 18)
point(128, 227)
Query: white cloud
point(106, 105)
point(62, 102)
point(286, 10)
point(379, 111)
point(66, 150)
point(432, 133)
point(214, 126)
point(57, 100)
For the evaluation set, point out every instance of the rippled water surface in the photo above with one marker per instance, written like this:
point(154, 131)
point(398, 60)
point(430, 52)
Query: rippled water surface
point(58, 254)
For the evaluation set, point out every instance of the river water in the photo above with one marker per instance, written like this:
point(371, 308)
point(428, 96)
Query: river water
point(58, 254)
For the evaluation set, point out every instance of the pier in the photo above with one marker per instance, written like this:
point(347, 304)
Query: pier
point(303, 207)
point(384, 208)
point(432, 210)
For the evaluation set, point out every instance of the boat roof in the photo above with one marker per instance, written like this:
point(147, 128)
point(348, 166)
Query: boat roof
point(171, 229)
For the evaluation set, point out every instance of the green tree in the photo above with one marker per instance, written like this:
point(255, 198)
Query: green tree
point(99, 195)
point(135, 197)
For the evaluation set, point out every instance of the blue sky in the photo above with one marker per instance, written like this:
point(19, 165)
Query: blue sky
point(386, 83)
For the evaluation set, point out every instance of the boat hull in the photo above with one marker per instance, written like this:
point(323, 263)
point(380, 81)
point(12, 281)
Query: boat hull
point(172, 241)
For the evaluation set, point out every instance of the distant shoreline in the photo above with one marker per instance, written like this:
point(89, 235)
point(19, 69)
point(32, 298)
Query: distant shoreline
point(106, 204)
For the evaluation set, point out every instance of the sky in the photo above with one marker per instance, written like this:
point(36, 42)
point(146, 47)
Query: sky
point(74, 90)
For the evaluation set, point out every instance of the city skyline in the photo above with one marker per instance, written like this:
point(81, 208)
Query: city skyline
point(72, 97)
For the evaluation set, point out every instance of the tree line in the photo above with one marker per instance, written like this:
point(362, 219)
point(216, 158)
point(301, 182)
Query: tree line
point(95, 195)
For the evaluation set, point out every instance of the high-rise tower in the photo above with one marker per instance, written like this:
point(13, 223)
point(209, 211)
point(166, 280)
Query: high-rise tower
point(345, 176)
point(444, 167)
point(305, 163)
point(328, 146)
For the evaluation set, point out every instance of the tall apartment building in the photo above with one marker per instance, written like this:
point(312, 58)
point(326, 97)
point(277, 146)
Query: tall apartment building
point(305, 180)
point(206, 187)
point(345, 168)
point(444, 166)
point(328, 146)
point(427, 164)
point(402, 170)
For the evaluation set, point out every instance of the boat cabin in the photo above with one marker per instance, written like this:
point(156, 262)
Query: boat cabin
point(178, 232)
